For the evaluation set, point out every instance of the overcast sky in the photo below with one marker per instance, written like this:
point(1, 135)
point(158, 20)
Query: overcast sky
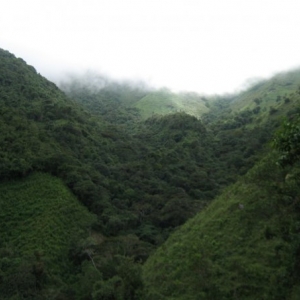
point(210, 46)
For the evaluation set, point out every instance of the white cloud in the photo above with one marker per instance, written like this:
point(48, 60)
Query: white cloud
point(202, 45)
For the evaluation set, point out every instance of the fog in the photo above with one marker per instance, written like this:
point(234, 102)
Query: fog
point(206, 46)
point(94, 82)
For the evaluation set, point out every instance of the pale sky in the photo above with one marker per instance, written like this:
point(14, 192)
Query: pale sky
point(207, 46)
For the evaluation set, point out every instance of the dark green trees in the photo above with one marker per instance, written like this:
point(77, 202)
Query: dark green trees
point(287, 141)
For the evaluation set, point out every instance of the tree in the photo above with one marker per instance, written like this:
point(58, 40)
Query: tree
point(287, 141)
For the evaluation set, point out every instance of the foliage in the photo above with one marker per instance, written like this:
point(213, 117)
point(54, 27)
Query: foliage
point(123, 176)
point(40, 219)
point(243, 246)
point(287, 141)
point(143, 163)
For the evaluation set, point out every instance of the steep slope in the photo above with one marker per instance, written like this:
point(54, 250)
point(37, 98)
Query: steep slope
point(268, 94)
point(139, 190)
point(245, 245)
point(40, 221)
point(263, 101)
point(242, 124)
point(39, 123)
point(144, 182)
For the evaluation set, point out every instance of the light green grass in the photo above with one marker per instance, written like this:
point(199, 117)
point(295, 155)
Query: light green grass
point(164, 102)
point(267, 92)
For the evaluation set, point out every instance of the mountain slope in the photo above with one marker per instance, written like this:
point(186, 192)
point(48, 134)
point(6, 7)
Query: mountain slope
point(268, 93)
point(40, 222)
point(125, 101)
point(164, 102)
point(244, 245)
point(144, 183)
point(264, 101)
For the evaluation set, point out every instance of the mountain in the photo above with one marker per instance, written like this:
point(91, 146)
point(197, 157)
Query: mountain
point(164, 102)
point(264, 101)
point(268, 94)
point(245, 245)
point(96, 177)
point(100, 93)
point(140, 184)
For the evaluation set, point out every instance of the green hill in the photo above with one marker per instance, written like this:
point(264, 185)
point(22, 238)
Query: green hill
point(164, 102)
point(130, 101)
point(40, 221)
point(127, 100)
point(256, 106)
point(107, 167)
point(268, 93)
point(245, 245)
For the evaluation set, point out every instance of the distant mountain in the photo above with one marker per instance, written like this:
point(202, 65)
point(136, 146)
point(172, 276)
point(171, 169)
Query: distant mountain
point(265, 100)
point(132, 97)
point(164, 102)
point(268, 94)
point(262, 96)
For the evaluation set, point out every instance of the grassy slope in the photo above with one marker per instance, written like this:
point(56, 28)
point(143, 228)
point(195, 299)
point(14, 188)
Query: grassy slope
point(164, 102)
point(40, 216)
point(281, 84)
point(270, 93)
point(243, 246)
point(264, 101)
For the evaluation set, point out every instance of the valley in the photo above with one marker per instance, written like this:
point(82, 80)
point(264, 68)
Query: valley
point(110, 190)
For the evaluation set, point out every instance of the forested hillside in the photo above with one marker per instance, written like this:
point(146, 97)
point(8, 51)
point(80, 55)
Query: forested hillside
point(141, 163)
point(41, 221)
point(245, 244)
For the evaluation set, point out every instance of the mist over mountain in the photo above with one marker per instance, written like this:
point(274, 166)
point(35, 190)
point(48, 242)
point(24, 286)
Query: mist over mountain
point(95, 81)
point(115, 190)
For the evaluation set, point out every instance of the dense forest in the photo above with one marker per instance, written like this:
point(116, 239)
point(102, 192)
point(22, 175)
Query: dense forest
point(114, 190)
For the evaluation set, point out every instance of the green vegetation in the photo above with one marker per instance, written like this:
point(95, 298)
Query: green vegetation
point(287, 141)
point(264, 101)
point(40, 221)
point(143, 162)
point(124, 102)
point(164, 102)
point(245, 245)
